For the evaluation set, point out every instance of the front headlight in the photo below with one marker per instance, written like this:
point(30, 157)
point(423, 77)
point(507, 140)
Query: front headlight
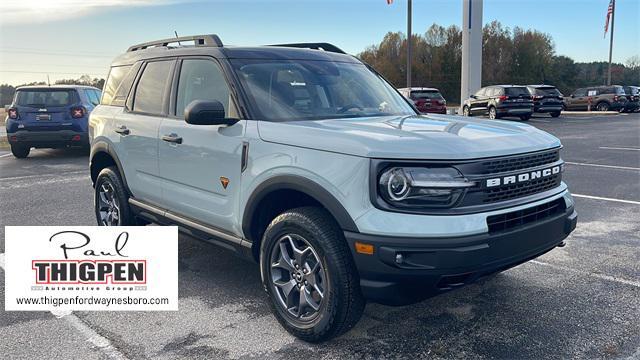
point(421, 187)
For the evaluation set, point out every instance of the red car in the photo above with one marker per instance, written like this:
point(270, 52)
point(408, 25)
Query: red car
point(427, 100)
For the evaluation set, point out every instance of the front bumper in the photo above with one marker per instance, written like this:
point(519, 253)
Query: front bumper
point(430, 266)
point(48, 139)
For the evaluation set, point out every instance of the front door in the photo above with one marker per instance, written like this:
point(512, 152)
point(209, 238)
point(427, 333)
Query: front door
point(200, 165)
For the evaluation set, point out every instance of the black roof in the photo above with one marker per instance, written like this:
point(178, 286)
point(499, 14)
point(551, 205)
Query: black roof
point(211, 45)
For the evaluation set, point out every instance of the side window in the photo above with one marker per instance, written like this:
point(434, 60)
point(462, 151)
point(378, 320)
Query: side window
point(580, 92)
point(149, 94)
point(92, 96)
point(116, 75)
point(481, 92)
point(202, 79)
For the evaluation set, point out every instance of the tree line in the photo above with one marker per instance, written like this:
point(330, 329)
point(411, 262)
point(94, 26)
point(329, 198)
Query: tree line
point(509, 56)
point(7, 91)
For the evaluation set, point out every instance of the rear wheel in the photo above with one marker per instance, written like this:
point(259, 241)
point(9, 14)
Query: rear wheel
point(525, 117)
point(111, 200)
point(602, 106)
point(555, 114)
point(20, 151)
point(493, 114)
point(310, 276)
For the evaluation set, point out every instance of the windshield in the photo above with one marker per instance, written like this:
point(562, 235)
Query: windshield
point(45, 97)
point(426, 95)
point(550, 91)
point(284, 90)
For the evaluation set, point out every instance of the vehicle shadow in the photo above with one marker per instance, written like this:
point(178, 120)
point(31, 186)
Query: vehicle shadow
point(526, 312)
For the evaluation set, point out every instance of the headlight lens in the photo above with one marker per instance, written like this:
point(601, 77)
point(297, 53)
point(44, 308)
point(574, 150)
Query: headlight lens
point(420, 187)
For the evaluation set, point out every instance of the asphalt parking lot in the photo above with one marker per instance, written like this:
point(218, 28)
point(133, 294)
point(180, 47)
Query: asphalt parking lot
point(580, 301)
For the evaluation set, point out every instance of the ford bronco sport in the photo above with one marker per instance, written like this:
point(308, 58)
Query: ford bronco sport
point(307, 161)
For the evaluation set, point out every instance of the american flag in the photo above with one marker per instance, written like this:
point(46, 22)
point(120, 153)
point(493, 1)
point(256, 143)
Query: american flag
point(609, 13)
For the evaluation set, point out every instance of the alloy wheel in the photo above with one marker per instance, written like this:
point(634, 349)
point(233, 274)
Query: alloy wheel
point(109, 205)
point(298, 277)
point(492, 113)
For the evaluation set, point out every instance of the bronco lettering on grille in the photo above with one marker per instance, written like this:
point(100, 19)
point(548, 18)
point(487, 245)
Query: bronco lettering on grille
point(524, 177)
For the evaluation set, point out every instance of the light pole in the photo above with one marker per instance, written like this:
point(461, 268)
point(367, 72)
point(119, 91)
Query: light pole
point(409, 44)
point(471, 49)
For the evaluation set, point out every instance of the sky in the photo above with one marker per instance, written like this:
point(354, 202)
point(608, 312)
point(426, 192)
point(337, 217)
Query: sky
point(68, 38)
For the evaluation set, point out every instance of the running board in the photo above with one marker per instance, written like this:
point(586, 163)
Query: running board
point(219, 237)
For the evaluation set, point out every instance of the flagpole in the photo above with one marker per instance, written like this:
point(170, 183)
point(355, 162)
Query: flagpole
point(613, 17)
point(409, 44)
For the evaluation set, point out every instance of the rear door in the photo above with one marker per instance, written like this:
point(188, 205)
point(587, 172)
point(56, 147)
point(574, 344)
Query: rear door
point(578, 100)
point(46, 108)
point(200, 165)
point(137, 127)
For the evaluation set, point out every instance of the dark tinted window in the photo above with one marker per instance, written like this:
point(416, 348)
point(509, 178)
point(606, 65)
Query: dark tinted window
point(150, 90)
point(116, 75)
point(516, 91)
point(426, 94)
point(630, 90)
point(45, 97)
point(547, 91)
point(201, 80)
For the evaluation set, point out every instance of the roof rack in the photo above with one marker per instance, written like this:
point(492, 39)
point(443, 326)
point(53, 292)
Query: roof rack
point(199, 40)
point(314, 46)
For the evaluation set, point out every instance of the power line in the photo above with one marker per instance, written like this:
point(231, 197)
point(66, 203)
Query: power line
point(63, 65)
point(55, 54)
point(45, 50)
point(51, 72)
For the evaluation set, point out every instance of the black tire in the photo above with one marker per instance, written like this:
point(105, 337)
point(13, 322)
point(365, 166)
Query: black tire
point(110, 178)
point(341, 304)
point(525, 117)
point(603, 106)
point(555, 114)
point(466, 111)
point(20, 151)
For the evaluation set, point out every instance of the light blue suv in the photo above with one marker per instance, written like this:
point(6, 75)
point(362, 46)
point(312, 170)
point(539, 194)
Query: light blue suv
point(307, 161)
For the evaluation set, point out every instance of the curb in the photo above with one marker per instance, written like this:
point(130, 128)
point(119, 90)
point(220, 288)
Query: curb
point(590, 113)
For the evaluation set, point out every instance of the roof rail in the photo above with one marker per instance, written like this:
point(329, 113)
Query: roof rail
point(199, 40)
point(314, 46)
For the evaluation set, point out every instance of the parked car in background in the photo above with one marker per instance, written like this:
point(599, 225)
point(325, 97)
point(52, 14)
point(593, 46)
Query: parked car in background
point(633, 98)
point(546, 99)
point(426, 100)
point(602, 98)
point(499, 101)
point(50, 117)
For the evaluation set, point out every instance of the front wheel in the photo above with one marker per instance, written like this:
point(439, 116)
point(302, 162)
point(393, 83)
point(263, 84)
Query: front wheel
point(465, 111)
point(309, 274)
point(603, 106)
point(555, 114)
point(20, 151)
point(111, 200)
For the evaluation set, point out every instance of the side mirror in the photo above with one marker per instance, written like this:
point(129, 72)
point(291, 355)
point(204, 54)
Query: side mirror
point(572, 96)
point(206, 112)
point(473, 97)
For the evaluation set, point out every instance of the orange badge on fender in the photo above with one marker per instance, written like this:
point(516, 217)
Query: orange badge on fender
point(224, 181)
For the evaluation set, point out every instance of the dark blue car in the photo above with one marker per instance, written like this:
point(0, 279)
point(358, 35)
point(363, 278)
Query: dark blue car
point(50, 117)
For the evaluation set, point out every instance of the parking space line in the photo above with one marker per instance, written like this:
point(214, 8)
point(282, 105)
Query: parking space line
point(91, 335)
point(604, 166)
point(618, 148)
point(25, 177)
point(588, 273)
point(5, 155)
point(606, 199)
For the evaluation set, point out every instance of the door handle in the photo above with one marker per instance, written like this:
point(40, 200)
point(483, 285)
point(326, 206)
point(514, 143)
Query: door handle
point(172, 138)
point(122, 130)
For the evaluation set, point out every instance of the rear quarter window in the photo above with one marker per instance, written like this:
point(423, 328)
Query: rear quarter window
point(118, 84)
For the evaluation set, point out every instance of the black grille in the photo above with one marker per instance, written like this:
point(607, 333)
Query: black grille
point(520, 162)
point(519, 190)
point(514, 219)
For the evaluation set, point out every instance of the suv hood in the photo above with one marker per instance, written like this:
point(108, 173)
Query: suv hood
point(435, 137)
